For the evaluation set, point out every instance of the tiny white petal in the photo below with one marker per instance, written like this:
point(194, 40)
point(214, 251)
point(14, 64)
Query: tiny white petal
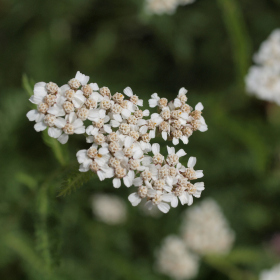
point(181, 153)
point(164, 135)
point(40, 126)
point(32, 115)
point(175, 141)
point(128, 91)
point(94, 86)
point(163, 207)
point(174, 202)
point(63, 138)
point(191, 162)
point(199, 174)
point(54, 132)
point(152, 103)
point(101, 175)
point(134, 199)
point(177, 103)
point(116, 183)
point(199, 106)
point(155, 148)
point(182, 91)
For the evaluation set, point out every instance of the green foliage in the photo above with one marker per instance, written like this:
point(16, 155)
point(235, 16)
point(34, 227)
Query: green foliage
point(241, 46)
point(205, 47)
point(58, 149)
point(73, 181)
point(27, 85)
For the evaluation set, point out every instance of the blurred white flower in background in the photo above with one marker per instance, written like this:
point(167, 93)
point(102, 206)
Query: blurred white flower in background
point(109, 209)
point(272, 274)
point(160, 7)
point(154, 212)
point(175, 260)
point(205, 229)
point(185, 2)
point(263, 79)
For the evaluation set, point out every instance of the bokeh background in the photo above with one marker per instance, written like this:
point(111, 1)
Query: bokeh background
point(206, 47)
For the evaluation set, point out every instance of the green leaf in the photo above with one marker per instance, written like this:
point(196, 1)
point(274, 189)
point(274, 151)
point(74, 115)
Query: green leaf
point(58, 150)
point(27, 84)
point(26, 180)
point(74, 181)
point(237, 30)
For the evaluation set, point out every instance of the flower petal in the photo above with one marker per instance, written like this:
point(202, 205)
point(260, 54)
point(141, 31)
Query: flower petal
point(40, 126)
point(116, 183)
point(191, 162)
point(54, 132)
point(163, 207)
point(134, 199)
point(128, 91)
point(63, 138)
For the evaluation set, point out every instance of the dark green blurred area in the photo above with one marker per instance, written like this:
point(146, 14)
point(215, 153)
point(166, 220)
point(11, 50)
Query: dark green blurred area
point(205, 47)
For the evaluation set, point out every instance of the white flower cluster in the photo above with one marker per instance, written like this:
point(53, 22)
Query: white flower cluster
point(204, 231)
point(263, 79)
point(121, 135)
point(63, 110)
point(272, 274)
point(175, 260)
point(109, 209)
point(160, 7)
point(177, 120)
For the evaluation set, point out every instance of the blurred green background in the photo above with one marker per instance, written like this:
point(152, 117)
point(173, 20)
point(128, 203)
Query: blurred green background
point(206, 47)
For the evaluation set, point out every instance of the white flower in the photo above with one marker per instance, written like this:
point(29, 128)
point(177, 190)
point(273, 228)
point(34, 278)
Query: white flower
point(121, 134)
point(35, 115)
point(39, 93)
point(263, 80)
point(133, 98)
point(143, 191)
point(101, 128)
point(272, 274)
point(159, 199)
point(127, 180)
point(78, 98)
point(109, 209)
point(190, 173)
point(150, 125)
point(175, 260)
point(57, 109)
point(70, 125)
point(161, 6)
point(205, 229)
point(85, 157)
point(149, 173)
point(269, 52)
point(177, 101)
point(173, 158)
point(83, 79)
point(196, 120)
point(178, 192)
point(195, 191)
point(186, 2)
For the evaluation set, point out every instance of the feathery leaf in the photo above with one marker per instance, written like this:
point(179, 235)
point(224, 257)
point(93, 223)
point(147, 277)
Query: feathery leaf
point(73, 181)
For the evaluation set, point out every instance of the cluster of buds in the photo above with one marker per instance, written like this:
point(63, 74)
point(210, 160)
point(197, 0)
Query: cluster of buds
point(120, 133)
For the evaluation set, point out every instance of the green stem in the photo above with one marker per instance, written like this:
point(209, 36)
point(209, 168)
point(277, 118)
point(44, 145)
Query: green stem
point(58, 150)
point(241, 45)
point(225, 267)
